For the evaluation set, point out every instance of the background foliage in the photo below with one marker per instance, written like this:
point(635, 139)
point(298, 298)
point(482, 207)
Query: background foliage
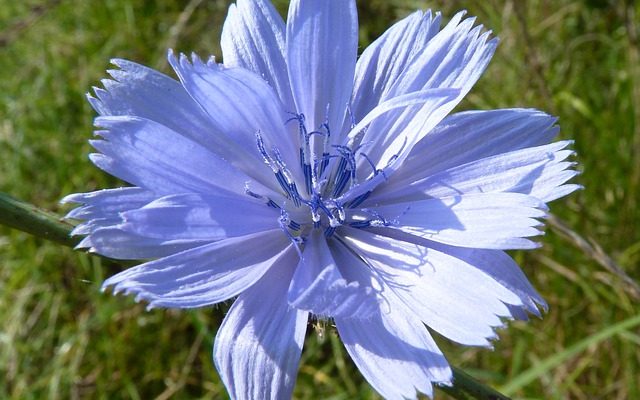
point(61, 338)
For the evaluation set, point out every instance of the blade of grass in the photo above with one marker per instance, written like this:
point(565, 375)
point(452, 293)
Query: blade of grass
point(14, 29)
point(594, 251)
point(544, 366)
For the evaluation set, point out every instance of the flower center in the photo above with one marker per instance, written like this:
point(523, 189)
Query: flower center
point(328, 171)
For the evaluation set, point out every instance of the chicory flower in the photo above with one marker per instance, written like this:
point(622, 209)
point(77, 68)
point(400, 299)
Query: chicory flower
point(311, 183)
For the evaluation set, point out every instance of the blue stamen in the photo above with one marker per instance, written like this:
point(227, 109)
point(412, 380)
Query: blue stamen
point(342, 165)
point(267, 158)
point(268, 201)
point(293, 225)
point(323, 163)
point(301, 154)
point(322, 177)
point(327, 140)
point(308, 177)
point(295, 196)
point(329, 231)
point(358, 200)
point(253, 194)
point(283, 184)
point(373, 166)
point(341, 182)
point(295, 240)
point(284, 178)
point(341, 213)
point(280, 170)
point(344, 174)
point(305, 151)
point(348, 155)
point(300, 118)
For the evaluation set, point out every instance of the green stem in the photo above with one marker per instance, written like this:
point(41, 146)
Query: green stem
point(43, 224)
point(31, 219)
point(465, 387)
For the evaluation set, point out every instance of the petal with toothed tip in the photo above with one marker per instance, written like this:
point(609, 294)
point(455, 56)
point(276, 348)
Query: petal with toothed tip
point(485, 220)
point(536, 171)
point(261, 336)
point(203, 275)
point(383, 62)
point(319, 287)
point(451, 296)
point(143, 152)
point(113, 242)
point(395, 354)
point(454, 58)
point(200, 217)
point(253, 37)
point(322, 43)
point(239, 104)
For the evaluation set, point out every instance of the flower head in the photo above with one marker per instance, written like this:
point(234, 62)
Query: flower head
point(313, 184)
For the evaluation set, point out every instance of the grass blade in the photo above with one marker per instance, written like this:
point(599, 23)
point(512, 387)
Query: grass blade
point(548, 364)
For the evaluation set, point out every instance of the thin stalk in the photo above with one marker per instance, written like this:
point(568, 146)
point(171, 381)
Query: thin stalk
point(466, 387)
point(31, 219)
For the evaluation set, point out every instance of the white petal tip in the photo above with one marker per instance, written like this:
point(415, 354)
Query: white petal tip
point(447, 383)
point(118, 62)
point(70, 198)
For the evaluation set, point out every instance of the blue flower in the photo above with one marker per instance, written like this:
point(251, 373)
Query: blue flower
point(313, 184)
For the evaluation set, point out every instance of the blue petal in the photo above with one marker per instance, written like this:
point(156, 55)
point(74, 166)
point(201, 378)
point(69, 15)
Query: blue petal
point(485, 220)
point(471, 135)
point(107, 204)
point(493, 263)
point(103, 211)
point(401, 136)
point(537, 171)
point(144, 153)
point(503, 269)
point(449, 294)
point(322, 43)
point(319, 287)
point(205, 217)
point(106, 239)
point(395, 353)
point(453, 58)
point(421, 97)
point(257, 348)
point(240, 104)
point(384, 61)
point(204, 275)
point(467, 137)
point(253, 37)
point(388, 140)
point(142, 92)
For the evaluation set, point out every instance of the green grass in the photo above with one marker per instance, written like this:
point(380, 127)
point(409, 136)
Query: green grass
point(61, 338)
